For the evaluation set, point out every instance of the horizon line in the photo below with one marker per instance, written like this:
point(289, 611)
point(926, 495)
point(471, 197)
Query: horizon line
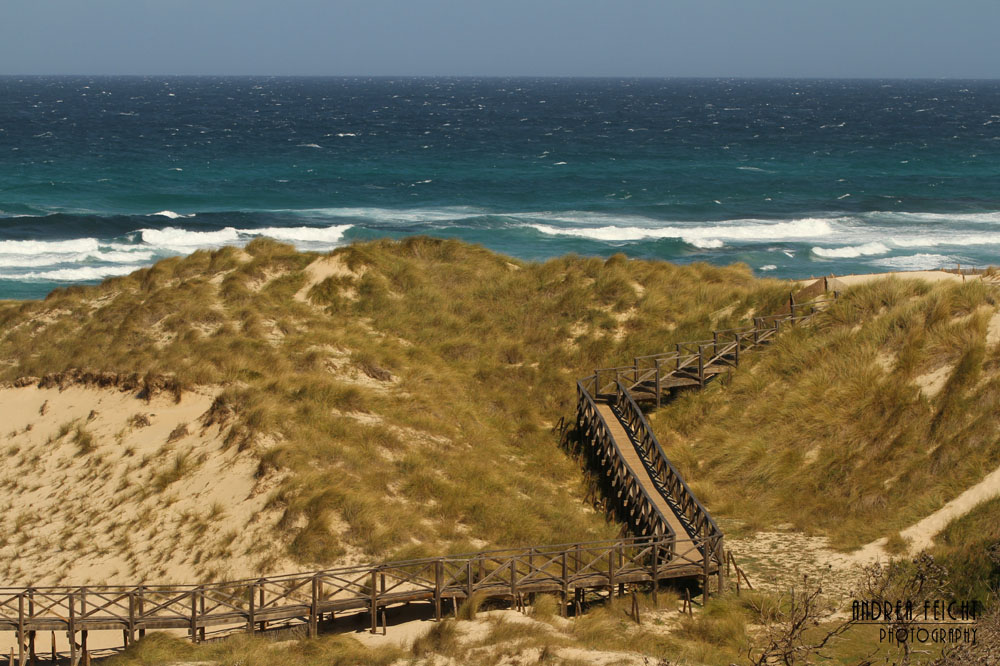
point(512, 76)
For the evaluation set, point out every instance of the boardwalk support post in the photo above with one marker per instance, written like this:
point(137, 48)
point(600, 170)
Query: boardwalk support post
point(438, 582)
point(251, 609)
point(20, 629)
point(374, 602)
point(314, 608)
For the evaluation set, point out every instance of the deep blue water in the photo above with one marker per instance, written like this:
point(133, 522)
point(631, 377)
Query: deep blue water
point(99, 176)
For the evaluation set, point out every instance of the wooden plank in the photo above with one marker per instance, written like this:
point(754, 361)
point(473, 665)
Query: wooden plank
point(635, 465)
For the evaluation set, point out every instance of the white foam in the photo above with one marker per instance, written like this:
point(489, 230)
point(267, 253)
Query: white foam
point(706, 244)
point(31, 247)
point(183, 240)
point(303, 234)
point(83, 274)
point(170, 214)
point(958, 240)
point(851, 251)
point(914, 262)
point(387, 215)
point(892, 216)
point(53, 259)
point(769, 267)
point(746, 230)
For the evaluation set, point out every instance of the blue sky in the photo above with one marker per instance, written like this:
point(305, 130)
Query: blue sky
point(739, 38)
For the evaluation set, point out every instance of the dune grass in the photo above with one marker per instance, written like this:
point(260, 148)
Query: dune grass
point(830, 430)
point(160, 648)
point(969, 547)
point(413, 401)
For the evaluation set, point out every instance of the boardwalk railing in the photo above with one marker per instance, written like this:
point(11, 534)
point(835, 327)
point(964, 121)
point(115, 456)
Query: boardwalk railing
point(634, 498)
point(693, 363)
point(648, 378)
point(307, 599)
point(666, 477)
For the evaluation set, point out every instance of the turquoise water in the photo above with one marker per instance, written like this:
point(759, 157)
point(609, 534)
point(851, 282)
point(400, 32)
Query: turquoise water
point(100, 176)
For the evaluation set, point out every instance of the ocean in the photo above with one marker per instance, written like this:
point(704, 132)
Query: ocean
point(100, 176)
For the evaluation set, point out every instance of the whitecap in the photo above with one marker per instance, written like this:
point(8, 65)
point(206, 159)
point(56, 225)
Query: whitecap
point(170, 214)
point(55, 259)
point(746, 230)
point(309, 145)
point(389, 215)
point(959, 240)
point(181, 239)
point(916, 262)
point(32, 247)
point(985, 217)
point(83, 274)
point(851, 251)
point(301, 234)
point(768, 267)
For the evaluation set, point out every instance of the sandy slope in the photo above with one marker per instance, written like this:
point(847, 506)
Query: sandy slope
point(156, 496)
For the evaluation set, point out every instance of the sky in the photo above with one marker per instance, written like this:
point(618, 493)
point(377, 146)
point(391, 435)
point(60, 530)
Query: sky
point(654, 38)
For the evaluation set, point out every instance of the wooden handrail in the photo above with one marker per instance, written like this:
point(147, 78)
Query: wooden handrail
point(691, 508)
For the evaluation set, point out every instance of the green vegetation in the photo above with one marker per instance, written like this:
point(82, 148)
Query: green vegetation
point(414, 402)
point(970, 549)
point(830, 430)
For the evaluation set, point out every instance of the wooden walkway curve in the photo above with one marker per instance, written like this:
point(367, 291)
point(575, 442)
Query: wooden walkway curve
point(674, 535)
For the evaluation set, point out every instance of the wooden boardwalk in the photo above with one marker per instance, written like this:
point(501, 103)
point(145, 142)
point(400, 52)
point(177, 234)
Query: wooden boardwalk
point(675, 537)
point(648, 492)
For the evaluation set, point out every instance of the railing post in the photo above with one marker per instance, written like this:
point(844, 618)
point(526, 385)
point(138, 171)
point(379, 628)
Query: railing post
point(194, 615)
point(469, 586)
point(656, 570)
point(513, 577)
point(563, 610)
point(20, 629)
point(706, 558)
point(142, 611)
point(131, 617)
point(314, 607)
point(701, 365)
point(32, 658)
point(611, 573)
point(438, 582)
point(72, 630)
point(263, 605)
point(374, 601)
point(719, 556)
point(252, 608)
point(658, 391)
